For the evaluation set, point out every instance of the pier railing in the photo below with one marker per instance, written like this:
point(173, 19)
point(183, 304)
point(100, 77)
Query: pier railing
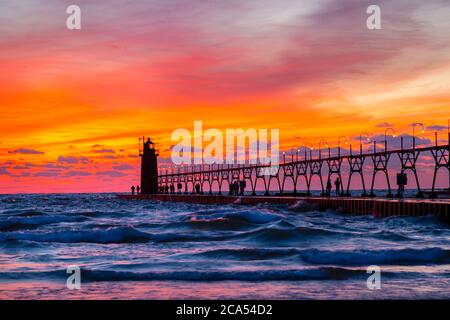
point(184, 179)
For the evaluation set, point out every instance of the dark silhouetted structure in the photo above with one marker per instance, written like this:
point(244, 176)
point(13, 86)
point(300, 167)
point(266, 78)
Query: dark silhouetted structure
point(337, 184)
point(402, 181)
point(305, 168)
point(149, 167)
point(329, 186)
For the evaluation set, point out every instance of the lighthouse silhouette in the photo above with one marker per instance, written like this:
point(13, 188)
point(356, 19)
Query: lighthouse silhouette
point(149, 167)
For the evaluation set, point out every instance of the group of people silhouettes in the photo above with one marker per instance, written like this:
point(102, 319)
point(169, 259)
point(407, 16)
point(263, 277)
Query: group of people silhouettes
point(137, 189)
point(337, 184)
point(170, 188)
point(237, 187)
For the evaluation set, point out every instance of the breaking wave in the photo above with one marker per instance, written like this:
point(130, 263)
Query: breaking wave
point(323, 273)
point(407, 256)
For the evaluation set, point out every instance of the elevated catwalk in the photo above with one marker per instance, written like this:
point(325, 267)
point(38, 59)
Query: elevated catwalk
point(380, 207)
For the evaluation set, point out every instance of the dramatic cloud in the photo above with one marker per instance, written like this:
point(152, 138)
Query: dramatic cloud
point(54, 166)
point(25, 151)
point(123, 167)
point(72, 159)
point(396, 142)
point(111, 173)
point(437, 128)
point(309, 68)
point(77, 174)
point(384, 125)
point(48, 173)
point(20, 168)
point(98, 148)
point(110, 157)
point(103, 151)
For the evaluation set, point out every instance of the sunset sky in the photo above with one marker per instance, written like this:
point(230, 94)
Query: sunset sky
point(73, 102)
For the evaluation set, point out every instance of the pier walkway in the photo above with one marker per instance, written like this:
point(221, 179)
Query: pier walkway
point(379, 207)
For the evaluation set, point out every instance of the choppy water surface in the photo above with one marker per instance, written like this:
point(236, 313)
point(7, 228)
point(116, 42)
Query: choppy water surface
point(141, 249)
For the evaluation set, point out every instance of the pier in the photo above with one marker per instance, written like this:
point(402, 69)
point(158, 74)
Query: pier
point(212, 184)
point(379, 207)
point(302, 171)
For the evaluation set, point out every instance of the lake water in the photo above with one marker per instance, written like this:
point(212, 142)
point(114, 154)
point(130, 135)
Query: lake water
point(153, 250)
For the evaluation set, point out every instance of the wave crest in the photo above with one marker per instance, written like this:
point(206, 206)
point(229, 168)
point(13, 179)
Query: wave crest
point(347, 258)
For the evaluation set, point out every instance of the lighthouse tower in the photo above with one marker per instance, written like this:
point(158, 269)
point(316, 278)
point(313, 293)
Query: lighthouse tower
point(149, 167)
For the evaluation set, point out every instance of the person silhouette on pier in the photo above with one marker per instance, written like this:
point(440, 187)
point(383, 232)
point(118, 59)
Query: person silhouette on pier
point(337, 184)
point(235, 188)
point(138, 189)
point(242, 185)
point(132, 190)
point(402, 181)
point(329, 186)
point(197, 188)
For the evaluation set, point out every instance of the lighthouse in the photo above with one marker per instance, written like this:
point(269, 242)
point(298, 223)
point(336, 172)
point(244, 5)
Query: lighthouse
point(149, 167)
